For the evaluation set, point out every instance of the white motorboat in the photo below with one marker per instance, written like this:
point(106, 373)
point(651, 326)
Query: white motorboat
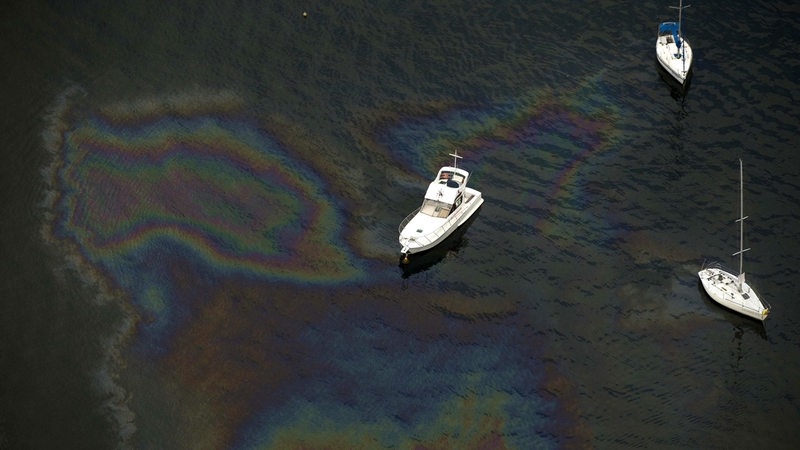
point(447, 205)
point(728, 288)
point(673, 51)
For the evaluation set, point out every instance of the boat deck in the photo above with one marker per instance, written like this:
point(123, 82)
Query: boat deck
point(430, 230)
point(721, 285)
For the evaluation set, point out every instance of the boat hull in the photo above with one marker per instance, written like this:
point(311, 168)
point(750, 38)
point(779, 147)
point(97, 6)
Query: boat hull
point(422, 261)
point(721, 286)
point(676, 62)
point(413, 242)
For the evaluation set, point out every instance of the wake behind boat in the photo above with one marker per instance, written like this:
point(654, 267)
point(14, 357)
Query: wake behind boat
point(673, 51)
point(447, 205)
point(730, 289)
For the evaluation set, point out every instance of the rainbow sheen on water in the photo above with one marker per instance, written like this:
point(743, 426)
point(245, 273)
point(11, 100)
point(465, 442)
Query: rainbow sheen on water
point(226, 190)
point(219, 232)
point(150, 190)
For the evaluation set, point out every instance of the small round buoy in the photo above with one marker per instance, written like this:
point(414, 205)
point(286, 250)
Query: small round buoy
point(305, 14)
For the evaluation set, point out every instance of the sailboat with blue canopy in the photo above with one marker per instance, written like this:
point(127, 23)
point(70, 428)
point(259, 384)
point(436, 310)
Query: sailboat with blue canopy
point(672, 49)
point(671, 28)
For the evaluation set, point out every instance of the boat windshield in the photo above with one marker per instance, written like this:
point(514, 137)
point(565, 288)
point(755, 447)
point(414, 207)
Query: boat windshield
point(435, 208)
point(447, 176)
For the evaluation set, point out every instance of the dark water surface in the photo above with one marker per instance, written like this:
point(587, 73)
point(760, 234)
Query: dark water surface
point(200, 210)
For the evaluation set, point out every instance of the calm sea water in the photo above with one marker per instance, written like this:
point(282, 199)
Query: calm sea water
point(200, 203)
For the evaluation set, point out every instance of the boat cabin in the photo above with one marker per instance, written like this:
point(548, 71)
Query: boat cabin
point(445, 193)
point(671, 31)
point(452, 178)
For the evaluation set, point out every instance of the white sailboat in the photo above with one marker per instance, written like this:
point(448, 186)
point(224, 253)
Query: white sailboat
point(730, 289)
point(447, 205)
point(673, 51)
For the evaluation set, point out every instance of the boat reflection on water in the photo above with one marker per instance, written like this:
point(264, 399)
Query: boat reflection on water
point(420, 262)
point(677, 90)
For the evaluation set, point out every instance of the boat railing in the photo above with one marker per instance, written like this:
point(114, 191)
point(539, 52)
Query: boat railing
point(436, 234)
point(713, 264)
point(407, 219)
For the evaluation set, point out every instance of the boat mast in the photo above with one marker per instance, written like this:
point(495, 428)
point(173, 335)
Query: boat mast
point(741, 228)
point(680, 31)
point(455, 158)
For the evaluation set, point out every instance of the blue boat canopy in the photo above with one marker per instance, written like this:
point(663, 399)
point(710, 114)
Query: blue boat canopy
point(670, 27)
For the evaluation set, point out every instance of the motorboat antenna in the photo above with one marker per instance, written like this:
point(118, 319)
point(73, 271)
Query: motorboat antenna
point(455, 158)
